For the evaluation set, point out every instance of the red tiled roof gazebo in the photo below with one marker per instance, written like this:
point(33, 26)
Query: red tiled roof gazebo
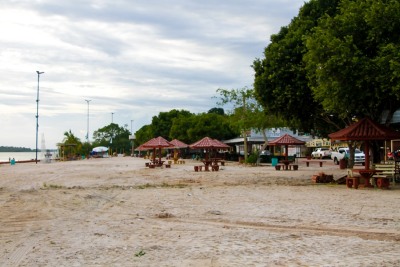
point(178, 144)
point(286, 140)
point(365, 130)
point(208, 143)
point(158, 142)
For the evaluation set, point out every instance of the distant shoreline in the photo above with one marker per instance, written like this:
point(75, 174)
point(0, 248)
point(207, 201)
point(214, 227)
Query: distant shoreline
point(20, 161)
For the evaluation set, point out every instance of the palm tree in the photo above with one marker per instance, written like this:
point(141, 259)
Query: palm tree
point(73, 143)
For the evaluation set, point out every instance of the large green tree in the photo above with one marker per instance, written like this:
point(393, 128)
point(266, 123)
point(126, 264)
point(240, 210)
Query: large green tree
point(113, 136)
point(212, 125)
point(187, 127)
point(280, 83)
point(247, 114)
point(338, 59)
point(352, 59)
point(161, 124)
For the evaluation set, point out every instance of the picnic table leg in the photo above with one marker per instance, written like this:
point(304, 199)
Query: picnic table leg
point(349, 182)
point(356, 182)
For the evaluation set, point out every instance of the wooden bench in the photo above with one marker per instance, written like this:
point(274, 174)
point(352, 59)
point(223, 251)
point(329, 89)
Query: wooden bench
point(387, 172)
point(316, 161)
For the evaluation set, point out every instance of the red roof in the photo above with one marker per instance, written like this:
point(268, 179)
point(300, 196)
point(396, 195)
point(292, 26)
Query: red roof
point(207, 142)
point(179, 144)
point(365, 129)
point(157, 143)
point(141, 148)
point(223, 145)
point(286, 139)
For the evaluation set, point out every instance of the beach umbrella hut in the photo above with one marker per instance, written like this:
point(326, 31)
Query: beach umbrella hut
point(157, 143)
point(286, 140)
point(177, 146)
point(208, 144)
point(140, 149)
point(365, 130)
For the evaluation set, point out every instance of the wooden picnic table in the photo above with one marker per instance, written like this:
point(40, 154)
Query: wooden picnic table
point(366, 174)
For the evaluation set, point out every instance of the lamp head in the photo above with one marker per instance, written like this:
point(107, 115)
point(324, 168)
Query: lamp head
point(39, 72)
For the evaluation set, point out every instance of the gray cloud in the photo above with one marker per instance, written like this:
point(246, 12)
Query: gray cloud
point(133, 58)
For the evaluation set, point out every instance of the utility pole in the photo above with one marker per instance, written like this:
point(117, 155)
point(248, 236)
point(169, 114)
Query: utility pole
point(37, 112)
point(133, 146)
point(87, 135)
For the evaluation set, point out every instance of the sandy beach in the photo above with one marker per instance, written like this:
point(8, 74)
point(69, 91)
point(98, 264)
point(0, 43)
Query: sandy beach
point(116, 212)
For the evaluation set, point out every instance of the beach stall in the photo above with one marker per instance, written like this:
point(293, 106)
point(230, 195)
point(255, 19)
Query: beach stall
point(99, 152)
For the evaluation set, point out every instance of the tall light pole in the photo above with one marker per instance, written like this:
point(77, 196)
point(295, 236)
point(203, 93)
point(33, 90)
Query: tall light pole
point(133, 145)
point(87, 135)
point(37, 111)
point(112, 121)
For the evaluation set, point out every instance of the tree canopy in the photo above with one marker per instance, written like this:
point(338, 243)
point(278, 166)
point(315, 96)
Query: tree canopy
point(352, 59)
point(247, 114)
point(113, 136)
point(336, 60)
point(187, 127)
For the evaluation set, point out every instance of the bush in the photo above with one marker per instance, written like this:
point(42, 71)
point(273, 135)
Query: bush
point(252, 159)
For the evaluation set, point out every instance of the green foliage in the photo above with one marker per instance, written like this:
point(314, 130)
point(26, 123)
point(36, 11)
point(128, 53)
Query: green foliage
point(140, 253)
point(114, 137)
point(161, 124)
point(144, 134)
point(212, 125)
point(335, 61)
point(219, 111)
point(252, 159)
point(352, 59)
point(187, 127)
point(71, 139)
point(247, 113)
point(281, 83)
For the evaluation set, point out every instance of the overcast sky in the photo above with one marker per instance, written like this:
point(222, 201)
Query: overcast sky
point(132, 59)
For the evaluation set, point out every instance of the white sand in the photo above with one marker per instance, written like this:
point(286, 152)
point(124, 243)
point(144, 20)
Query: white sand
point(116, 212)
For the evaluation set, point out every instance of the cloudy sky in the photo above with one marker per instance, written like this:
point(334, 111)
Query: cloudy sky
point(132, 59)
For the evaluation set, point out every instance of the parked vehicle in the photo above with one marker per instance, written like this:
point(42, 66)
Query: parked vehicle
point(321, 152)
point(342, 152)
point(265, 153)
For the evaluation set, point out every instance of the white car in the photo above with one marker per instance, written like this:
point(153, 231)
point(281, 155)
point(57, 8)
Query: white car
point(321, 152)
point(359, 156)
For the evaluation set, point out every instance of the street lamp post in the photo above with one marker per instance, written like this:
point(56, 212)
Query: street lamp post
point(133, 145)
point(87, 135)
point(37, 112)
point(112, 131)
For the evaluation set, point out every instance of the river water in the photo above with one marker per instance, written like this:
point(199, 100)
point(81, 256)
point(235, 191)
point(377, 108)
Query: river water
point(5, 156)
